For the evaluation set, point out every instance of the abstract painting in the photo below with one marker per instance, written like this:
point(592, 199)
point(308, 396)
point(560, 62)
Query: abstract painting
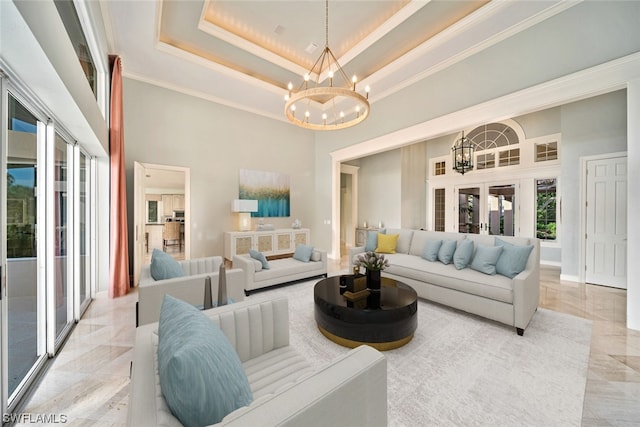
point(270, 189)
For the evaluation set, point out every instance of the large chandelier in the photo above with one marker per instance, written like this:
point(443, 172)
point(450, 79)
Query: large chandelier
point(462, 155)
point(340, 106)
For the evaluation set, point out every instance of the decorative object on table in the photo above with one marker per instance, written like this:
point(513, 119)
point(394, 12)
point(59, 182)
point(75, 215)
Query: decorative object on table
point(222, 286)
point(244, 207)
point(352, 283)
point(296, 224)
point(208, 301)
point(270, 189)
point(373, 263)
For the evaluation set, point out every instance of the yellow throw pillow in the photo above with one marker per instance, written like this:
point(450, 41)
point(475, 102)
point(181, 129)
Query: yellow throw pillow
point(387, 243)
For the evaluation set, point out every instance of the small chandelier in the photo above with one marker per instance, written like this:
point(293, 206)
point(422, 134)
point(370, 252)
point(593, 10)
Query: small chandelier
point(340, 90)
point(462, 155)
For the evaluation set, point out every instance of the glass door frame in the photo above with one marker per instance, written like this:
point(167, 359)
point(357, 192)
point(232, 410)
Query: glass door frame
point(9, 401)
point(484, 211)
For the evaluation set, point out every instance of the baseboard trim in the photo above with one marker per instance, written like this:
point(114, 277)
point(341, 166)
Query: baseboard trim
point(570, 278)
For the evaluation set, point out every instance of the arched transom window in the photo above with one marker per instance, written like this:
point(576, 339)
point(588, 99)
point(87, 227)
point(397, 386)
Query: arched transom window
point(496, 145)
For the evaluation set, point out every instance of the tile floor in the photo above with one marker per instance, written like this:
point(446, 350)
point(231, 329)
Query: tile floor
point(88, 380)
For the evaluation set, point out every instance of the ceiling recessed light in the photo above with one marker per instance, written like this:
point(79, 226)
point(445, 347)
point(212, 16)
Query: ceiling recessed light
point(278, 30)
point(311, 48)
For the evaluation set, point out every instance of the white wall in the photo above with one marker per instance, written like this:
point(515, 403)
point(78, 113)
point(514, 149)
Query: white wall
point(165, 127)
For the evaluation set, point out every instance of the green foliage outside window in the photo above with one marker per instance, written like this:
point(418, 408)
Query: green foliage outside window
point(546, 209)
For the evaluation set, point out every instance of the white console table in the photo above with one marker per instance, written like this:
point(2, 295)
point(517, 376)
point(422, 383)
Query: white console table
point(273, 242)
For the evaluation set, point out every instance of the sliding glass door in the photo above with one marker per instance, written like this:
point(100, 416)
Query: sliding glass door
point(62, 262)
point(25, 283)
point(46, 262)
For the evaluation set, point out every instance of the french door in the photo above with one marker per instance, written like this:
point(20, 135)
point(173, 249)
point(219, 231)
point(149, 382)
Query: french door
point(487, 208)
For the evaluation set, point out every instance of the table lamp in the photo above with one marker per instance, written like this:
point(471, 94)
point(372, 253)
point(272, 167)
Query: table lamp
point(244, 208)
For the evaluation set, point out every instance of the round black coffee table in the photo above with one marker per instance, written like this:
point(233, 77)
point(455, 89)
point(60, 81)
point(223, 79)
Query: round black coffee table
point(353, 323)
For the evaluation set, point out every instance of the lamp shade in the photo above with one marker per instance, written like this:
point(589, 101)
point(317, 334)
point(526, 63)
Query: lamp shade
point(244, 205)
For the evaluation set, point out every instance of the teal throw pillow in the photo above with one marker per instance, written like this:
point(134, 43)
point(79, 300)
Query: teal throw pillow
point(201, 376)
point(447, 249)
point(431, 249)
point(463, 254)
point(513, 259)
point(372, 240)
point(164, 266)
point(257, 255)
point(303, 253)
point(486, 258)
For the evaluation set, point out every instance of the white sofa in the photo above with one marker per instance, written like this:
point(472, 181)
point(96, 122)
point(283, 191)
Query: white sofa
point(281, 270)
point(351, 390)
point(497, 297)
point(189, 288)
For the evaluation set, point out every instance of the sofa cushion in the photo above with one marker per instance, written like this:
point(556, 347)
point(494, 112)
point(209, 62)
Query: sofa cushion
point(447, 249)
point(316, 256)
point(420, 237)
point(405, 236)
point(164, 266)
point(201, 376)
point(259, 256)
point(387, 243)
point(464, 253)
point(486, 258)
point(469, 281)
point(372, 239)
point(303, 252)
point(513, 259)
point(431, 249)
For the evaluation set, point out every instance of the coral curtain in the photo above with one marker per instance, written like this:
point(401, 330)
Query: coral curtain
point(119, 267)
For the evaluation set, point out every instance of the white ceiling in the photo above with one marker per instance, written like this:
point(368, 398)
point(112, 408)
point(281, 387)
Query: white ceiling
point(243, 53)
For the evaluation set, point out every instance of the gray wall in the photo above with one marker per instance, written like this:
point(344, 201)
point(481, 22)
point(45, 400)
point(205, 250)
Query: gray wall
point(583, 36)
point(169, 128)
point(379, 180)
point(590, 127)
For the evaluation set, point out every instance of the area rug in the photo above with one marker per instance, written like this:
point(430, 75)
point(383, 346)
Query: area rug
point(463, 370)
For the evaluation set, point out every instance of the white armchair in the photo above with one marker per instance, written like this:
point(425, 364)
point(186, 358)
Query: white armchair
point(189, 288)
point(351, 390)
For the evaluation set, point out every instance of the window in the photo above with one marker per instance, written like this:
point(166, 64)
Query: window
point(72, 24)
point(546, 208)
point(438, 214)
point(495, 140)
point(486, 161)
point(546, 151)
point(440, 168)
point(510, 157)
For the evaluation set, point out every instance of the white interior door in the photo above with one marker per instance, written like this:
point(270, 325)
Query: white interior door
point(606, 236)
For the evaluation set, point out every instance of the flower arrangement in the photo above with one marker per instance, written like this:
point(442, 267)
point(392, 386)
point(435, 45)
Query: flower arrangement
point(371, 261)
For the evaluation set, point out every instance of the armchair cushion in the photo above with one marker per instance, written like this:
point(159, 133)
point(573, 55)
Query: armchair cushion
point(201, 376)
point(164, 266)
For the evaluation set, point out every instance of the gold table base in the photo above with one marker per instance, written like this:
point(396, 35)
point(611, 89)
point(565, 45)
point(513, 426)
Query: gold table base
point(380, 346)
